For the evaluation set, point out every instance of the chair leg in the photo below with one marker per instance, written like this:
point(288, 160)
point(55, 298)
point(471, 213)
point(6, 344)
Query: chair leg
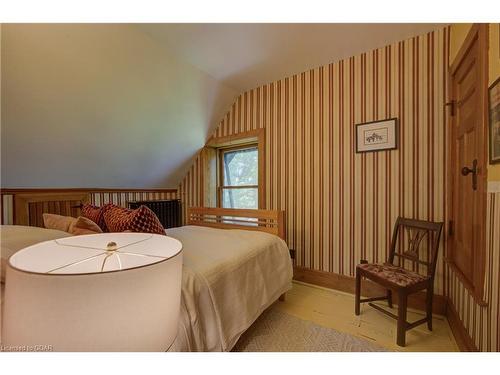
point(429, 298)
point(389, 298)
point(402, 306)
point(358, 293)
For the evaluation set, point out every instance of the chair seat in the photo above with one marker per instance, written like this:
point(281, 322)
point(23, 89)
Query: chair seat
point(393, 274)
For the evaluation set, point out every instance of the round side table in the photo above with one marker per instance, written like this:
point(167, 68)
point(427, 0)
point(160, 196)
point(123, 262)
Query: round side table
point(103, 292)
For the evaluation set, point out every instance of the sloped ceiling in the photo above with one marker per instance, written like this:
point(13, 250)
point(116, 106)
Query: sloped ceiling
point(129, 106)
point(245, 56)
point(100, 106)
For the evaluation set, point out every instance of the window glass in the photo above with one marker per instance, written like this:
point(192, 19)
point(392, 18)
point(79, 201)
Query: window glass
point(240, 198)
point(241, 167)
point(240, 175)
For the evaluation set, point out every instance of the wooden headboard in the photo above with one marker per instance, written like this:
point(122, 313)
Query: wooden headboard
point(269, 221)
point(29, 207)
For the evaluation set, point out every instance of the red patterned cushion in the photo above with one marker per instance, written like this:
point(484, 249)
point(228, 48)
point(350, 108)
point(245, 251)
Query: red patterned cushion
point(96, 214)
point(142, 219)
point(394, 274)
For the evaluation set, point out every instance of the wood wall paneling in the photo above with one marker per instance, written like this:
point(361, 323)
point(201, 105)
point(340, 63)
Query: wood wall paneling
point(25, 206)
point(29, 207)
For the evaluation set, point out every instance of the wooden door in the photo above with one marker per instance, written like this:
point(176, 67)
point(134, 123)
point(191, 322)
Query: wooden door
point(467, 159)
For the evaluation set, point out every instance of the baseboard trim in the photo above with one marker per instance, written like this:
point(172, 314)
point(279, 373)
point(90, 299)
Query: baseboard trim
point(462, 338)
point(347, 284)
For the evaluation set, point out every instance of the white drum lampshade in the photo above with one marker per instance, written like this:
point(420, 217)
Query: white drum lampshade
point(103, 292)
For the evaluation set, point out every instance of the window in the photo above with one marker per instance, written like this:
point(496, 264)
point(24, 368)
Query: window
point(233, 171)
point(239, 177)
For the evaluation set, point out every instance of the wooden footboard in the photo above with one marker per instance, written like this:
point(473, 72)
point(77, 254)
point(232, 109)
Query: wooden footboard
point(270, 221)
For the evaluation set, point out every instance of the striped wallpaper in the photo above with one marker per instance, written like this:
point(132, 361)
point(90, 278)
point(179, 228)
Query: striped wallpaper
point(341, 206)
point(120, 198)
point(482, 323)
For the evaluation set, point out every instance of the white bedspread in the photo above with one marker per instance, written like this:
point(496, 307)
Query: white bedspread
point(229, 278)
point(16, 237)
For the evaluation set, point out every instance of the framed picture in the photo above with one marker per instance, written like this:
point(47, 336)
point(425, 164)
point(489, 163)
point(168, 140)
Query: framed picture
point(494, 117)
point(377, 135)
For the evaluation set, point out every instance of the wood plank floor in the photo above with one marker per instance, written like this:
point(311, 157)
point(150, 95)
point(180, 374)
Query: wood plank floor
point(334, 309)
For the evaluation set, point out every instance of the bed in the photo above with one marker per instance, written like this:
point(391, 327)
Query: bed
point(236, 264)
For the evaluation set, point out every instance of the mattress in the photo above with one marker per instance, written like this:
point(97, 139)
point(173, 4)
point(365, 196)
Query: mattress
point(229, 278)
point(17, 237)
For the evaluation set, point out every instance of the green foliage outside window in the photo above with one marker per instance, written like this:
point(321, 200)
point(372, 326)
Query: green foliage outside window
point(240, 169)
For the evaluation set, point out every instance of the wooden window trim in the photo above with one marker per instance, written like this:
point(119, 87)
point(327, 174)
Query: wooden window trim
point(257, 137)
point(476, 285)
point(239, 186)
point(220, 171)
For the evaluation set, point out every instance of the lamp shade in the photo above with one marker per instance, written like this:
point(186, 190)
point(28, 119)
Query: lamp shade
point(103, 292)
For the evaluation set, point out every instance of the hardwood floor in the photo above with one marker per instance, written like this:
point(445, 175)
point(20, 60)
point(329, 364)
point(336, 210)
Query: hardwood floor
point(334, 309)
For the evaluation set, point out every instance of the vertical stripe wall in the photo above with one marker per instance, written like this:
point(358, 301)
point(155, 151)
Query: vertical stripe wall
point(121, 198)
point(482, 323)
point(341, 206)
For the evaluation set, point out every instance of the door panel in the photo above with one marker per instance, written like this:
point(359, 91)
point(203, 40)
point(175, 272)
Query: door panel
point(467, 146)
point(463, 255)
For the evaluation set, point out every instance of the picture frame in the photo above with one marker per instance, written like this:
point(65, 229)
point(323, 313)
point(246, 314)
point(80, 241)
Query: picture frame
point(494, 121)
point(380, 135)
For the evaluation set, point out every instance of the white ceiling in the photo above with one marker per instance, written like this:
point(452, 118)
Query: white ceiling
point(100, 105)
point(244, 56)
point(113, 105)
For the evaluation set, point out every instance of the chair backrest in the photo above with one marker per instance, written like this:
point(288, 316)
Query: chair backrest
point(415, 242)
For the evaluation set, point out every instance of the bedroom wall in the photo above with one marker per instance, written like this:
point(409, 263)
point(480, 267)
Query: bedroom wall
point(481, 323)
point(97, 197)
point(100, 105)
point(341, 206)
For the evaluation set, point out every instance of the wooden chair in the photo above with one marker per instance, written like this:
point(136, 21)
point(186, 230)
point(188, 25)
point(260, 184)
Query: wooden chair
point(408, 236)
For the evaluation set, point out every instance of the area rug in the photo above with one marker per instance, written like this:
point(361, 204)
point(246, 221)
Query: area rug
point(276, 331)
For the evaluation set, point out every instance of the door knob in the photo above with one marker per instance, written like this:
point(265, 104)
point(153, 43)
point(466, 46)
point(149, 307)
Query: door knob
point(466, 171)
